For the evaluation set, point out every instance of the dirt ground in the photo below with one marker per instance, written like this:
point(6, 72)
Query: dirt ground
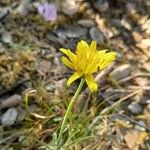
point(33, 92)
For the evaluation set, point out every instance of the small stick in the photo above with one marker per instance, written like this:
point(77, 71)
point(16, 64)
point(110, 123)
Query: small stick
point(134, 76)
point(118, 102)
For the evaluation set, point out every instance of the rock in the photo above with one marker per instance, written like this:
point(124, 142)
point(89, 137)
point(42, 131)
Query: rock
point(141, 126)
point(70, 7)
point(6, 37)
point(97, 35)
point(44, 66)
point(116, 23)
point(71, 44)
point(101, 5)
point(110, 95)
point(126, 24)
point(115, 117)
point(135, 108)
point(147, 3)
point(24, 7)
point(21, 115)
point(60, 32)
point(146, 26)
point(146, 66)
point(11, 101)
point(4, 12)
point(54, 39)
point(141, 81)
point(145, 43)
point(131, 7)
point(131, 138)
point(9, 117)
point(32, 108)
point(147, 109)
point(71, 32)
point(88, 23)
point(50, 88)
point(121, 72)
point(137, 36)
point(75, 32)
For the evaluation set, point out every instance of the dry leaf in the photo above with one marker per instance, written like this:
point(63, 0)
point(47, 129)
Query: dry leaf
point(135, 139)
point(131, 139)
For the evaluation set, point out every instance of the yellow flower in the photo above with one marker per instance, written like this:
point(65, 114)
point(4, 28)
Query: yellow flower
point(86, 61)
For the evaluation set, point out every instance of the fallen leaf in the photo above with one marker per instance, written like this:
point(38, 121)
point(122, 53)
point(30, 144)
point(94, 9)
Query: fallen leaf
point(131, 140)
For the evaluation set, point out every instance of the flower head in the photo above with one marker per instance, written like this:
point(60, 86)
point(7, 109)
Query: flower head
point(86, 61)
point(48, 11)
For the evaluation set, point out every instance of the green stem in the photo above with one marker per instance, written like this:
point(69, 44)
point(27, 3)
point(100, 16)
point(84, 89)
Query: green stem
point(70, 108)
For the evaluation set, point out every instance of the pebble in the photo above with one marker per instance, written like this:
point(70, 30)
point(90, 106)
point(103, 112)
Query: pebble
point(50, 88)
point(4, 12)
point(115, 117)
point(86, 23)
point(61, 33)
point(131, 7)
point(147, 109)
point(116, 23)
point(21, 115)
point(141, 126)
point(101, 6)
point(111, 95)
point(75, 32)
point(135, 108)
point(23, 8)
point(121, 72)
point(146, 42)
point(54, 39)
point(141, 81)
point(97, 35)
point(126, 24)
point(44, 66)
point(71, 44)
point(137, 36)
point(9, 117)
point(6, 37)
point(70, 7)
point(146, 26)
point(11, 101)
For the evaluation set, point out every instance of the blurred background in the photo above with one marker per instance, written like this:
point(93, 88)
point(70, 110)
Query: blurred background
point(33, 93)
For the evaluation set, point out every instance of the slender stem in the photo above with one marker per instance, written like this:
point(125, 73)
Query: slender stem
point(70, 108)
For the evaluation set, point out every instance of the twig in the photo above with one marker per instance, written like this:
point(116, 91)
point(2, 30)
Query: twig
point(145, 88)
point(134, 76)
point(103, 73)
point(118, 102)
point(135, 122)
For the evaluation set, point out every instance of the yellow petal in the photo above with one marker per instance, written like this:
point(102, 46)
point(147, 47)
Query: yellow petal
point(91, 83)
point(111, 56)
point(102, 52)
point(74, 77)
point(104, 64)
point(93, 46)
point(106, 60)
point(65, 51)
point(71, 55)
point(67, 62)
point(82, 47)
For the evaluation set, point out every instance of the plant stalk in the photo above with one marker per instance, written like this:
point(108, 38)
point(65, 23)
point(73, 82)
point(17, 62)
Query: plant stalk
point(69, 109)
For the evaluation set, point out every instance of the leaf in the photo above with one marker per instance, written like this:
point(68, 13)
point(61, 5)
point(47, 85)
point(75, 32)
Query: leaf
point(135, 139)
